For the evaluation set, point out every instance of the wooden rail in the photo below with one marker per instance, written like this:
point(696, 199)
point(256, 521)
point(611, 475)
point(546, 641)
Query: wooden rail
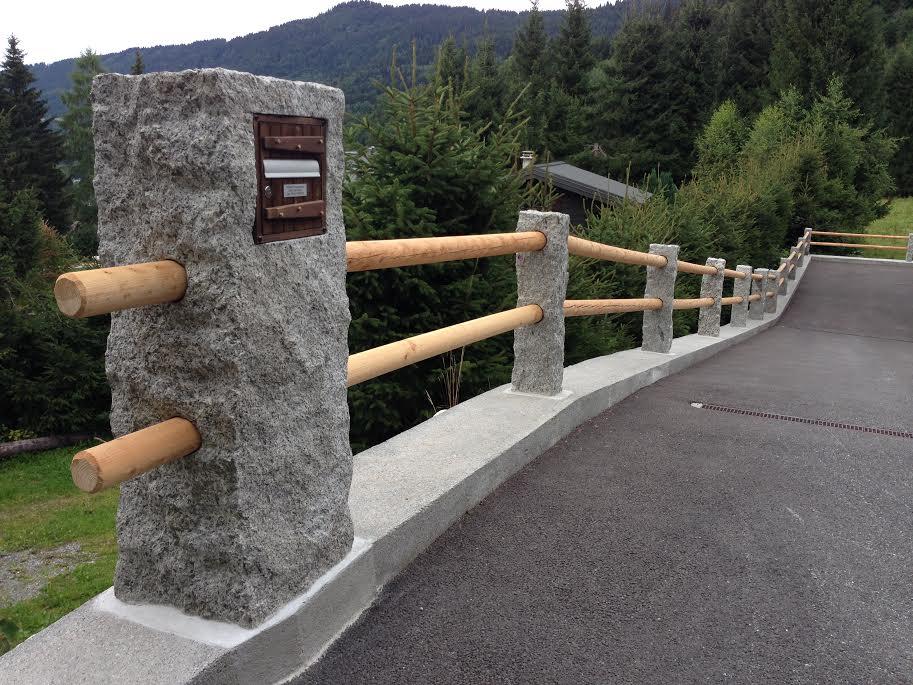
point(693, 303)
point(367, 255)
point(861, 235)
point(102, 291)
point(588, 248)
point(861, 245)
point(110, 463)
point(597, 307)
point(754, 298)
point(737, 299)
point(689, 268)
point(732, 273)
point(380, 360)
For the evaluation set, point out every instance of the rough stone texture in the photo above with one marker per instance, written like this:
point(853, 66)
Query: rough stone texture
point(800, 258)
point(708, 320)
point(910, 248)
point(255, 354)
point(657, 326)
point(807, 236)
point(784, 286)
point(756, 308)
point(542, 280)
point(770, 306)
point(791, 273)
point(741, 287)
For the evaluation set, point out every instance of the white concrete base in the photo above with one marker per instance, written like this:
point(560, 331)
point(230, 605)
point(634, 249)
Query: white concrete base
point(405, 493)
point(861, 260)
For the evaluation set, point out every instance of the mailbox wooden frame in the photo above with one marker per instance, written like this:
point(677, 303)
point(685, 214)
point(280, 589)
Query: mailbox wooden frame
point(288, 137)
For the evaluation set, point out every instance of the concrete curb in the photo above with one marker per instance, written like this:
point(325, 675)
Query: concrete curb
point(405, 493)
point(860, 260)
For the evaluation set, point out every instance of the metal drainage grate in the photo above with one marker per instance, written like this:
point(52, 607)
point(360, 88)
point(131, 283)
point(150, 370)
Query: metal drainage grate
point(800, 419)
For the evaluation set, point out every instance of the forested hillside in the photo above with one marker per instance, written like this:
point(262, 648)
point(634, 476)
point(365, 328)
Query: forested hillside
point(349, 46)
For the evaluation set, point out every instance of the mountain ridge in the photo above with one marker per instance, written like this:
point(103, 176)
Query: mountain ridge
point(348, 46)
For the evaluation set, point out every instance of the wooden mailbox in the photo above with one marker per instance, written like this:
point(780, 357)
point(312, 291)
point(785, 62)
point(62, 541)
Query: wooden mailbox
point(291, 177)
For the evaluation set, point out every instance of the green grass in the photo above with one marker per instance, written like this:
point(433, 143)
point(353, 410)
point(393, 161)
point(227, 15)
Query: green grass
point(40, 508)
point(898, 222)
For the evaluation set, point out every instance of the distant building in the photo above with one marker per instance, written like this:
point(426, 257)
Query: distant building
point(578, 189)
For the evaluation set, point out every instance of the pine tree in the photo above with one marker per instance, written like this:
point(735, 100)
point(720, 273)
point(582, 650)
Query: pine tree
point(138, 66)
point(80, 150)
point(451, 64)
point(746, 55)
point(35, 150)
point(484, 102)
point(530, 46)
point(814, 41)
point(573, 49)
point(899, 83)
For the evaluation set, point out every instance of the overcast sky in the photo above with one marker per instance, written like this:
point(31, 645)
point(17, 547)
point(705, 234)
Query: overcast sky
point(57, 29)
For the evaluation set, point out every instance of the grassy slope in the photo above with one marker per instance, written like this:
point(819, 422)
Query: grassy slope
point(41, 509)
point(898, 222)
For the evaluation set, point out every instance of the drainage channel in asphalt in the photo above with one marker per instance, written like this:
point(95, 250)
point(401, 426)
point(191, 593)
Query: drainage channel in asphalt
point(802, 419)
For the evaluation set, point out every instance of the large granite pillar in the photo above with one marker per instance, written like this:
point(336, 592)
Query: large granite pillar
point(708, 320)
point(741, 288)
point(255, 354)
point(657, 323)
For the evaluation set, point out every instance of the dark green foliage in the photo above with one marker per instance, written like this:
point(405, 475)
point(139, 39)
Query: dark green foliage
point(813, 41)
point(899, 108)
point(420, 169)
point(138, 66)
point(51, 368)
point(746, 54)
point(76, 125)
point(33, 150)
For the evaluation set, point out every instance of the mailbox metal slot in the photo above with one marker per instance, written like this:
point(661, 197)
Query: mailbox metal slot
point(291, 177)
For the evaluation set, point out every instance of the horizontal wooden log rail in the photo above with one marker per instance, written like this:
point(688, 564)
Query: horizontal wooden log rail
point(860, 245)
point(737, 299)
point(693, 303)
point(689, 268)
point(861, 235)
point(732, 273)
point(110, 463)
point(597, 307)
point(367, 255)
point(588, 248)
point(102, 291)
point(754, 298)
point(375, 362)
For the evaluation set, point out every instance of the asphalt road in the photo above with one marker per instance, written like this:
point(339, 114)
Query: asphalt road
point(662, 543)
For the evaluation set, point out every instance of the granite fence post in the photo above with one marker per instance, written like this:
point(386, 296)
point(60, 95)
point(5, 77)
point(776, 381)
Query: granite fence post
point(657, 324)
point(758, 287)
point(741, 287)
point(708, 320)
point(792, 267)
point(807, 236)
point(784, 286)
point(800, 257)
point(910, 248)
point(255, 354)
point(542, 280)
point(772, 287)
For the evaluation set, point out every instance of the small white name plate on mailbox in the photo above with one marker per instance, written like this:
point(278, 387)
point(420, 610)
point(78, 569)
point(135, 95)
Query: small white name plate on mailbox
point(295, 190)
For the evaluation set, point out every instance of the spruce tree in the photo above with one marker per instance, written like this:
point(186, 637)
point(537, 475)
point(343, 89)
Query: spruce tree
point(573, 49)
point(451, 64)
point(485, 98)
point(814, 41)
point(80, 150)
point(35, 150)
point(530, 46)
point(746, 55)
point(138, 66)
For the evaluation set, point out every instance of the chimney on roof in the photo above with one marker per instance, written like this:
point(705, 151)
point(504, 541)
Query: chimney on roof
point(527, 157)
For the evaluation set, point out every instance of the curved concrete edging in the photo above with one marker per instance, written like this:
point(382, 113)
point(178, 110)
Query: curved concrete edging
point(405, 493)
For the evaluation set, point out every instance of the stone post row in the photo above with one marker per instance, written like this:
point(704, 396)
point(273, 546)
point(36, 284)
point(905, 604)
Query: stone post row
point(542, 280)
point(254, 355)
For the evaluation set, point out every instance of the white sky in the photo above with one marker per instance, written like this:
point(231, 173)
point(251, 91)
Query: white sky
point(57, 29)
